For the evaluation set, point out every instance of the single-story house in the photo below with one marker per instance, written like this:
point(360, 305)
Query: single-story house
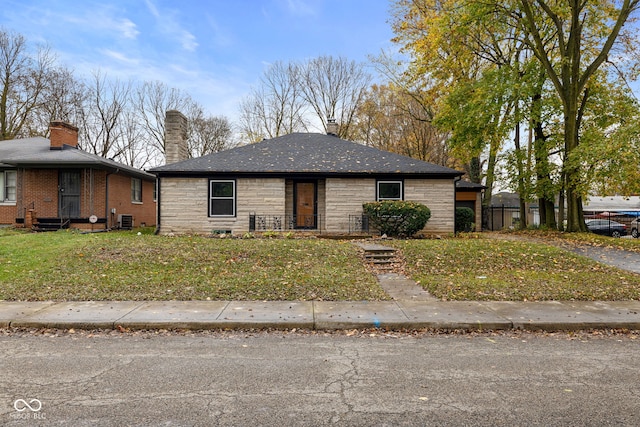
point(307, 181)
point(52, 184)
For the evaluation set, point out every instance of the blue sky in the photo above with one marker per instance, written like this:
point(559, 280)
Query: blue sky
point(215, 50)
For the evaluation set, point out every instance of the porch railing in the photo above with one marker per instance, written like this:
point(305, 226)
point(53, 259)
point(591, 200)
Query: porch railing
point(258, 222)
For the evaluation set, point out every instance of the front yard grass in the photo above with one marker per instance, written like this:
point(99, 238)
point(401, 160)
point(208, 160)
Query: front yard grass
point(476, 268)
point(68, 266)
point(126, 266)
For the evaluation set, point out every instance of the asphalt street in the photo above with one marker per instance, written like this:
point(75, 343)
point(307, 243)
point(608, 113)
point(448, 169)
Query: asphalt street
point(351, 378)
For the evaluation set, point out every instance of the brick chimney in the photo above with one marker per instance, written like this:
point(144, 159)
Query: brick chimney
point(332, 127)
point(175, 137)
point(61, 133)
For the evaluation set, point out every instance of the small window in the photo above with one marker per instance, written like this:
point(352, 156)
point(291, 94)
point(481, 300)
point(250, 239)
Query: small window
point(8, 185)
point(136, 190)
point(222, 198)
point(389, 190)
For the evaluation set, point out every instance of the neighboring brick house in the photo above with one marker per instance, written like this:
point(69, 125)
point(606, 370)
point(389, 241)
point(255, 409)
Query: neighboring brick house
point(51, 183)
point(299, 181)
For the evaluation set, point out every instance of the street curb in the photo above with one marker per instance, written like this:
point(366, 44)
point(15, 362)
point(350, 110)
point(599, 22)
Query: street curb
point(322, 315)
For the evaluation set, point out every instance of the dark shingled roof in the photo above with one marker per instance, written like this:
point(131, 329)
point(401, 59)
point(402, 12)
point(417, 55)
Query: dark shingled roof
point(36, 153)
point(469, 186)
point(305, 153)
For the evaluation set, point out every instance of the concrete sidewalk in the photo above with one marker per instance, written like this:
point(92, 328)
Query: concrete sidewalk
point(322, 315)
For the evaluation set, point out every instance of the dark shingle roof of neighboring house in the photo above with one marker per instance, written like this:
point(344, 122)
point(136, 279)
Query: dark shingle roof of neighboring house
point(463, 185)
point(305, 153)
point(36, 153)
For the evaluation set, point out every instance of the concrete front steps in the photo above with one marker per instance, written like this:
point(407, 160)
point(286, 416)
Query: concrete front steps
point(382, 257)
point(399, 287)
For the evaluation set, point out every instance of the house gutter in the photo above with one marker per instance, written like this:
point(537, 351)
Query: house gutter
point(158, 205)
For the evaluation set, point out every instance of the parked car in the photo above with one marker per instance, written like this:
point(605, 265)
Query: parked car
point(606, 227)
point(635, 228)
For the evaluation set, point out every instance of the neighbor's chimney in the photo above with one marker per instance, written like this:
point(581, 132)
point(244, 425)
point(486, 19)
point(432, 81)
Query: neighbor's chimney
point(61, 133)
point(175, 137)
point(332, 127)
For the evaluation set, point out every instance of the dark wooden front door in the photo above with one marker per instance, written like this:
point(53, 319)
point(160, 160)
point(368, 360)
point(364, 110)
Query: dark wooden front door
point(305, 204)
point(69, 190)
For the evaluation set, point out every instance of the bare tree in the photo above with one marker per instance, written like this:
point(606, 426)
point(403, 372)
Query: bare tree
point(101, 125)
point(152, 100)
point(208, 134)
point(63, 98)
point(276, 107)
point(132, 147)
point(334, 88)
point(22, 77)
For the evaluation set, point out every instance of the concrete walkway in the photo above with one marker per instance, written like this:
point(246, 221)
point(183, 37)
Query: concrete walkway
point(322, 315)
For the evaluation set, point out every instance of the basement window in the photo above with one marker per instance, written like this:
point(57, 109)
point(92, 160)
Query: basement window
point(8, 185)
point(222, 198)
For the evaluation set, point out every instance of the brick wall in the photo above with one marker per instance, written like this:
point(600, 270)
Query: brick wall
point(7, 213)
point(120, 199)
point(38, 190)
point(9, 210)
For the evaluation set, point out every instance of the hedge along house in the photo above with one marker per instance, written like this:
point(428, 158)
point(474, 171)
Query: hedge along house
point(301, 181)
point(52, 184)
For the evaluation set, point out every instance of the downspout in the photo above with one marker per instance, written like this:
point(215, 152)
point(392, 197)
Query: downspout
point(157, 205)
point(106, 202)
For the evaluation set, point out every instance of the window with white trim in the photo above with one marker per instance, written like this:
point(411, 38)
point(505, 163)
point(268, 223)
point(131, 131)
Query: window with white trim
point(222, 197)
point(389, 190)
point(136, 190)
point(8, 186)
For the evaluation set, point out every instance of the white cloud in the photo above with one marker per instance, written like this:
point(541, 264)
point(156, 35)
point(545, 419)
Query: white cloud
point(168, 24)
point(119, 56)
point(188, 41)
point(128, 29)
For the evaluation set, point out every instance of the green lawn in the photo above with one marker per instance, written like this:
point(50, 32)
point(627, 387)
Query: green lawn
point(477, 268)
point(127, 266)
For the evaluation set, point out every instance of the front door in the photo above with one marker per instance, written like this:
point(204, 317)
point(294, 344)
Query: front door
point(69, 200)
point(305, 204)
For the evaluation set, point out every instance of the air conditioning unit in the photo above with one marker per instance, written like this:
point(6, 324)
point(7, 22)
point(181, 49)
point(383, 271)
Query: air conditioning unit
point(125, 222)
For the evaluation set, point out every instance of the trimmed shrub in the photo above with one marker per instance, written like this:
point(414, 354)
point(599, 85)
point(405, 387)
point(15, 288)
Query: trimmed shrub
point(464, 219)
point(396, 217)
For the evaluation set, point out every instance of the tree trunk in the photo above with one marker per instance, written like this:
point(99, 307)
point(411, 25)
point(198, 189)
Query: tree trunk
point(544, 184)
point(521, 177)
point(561, 203)
point(490, 177)
point(575, 216)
